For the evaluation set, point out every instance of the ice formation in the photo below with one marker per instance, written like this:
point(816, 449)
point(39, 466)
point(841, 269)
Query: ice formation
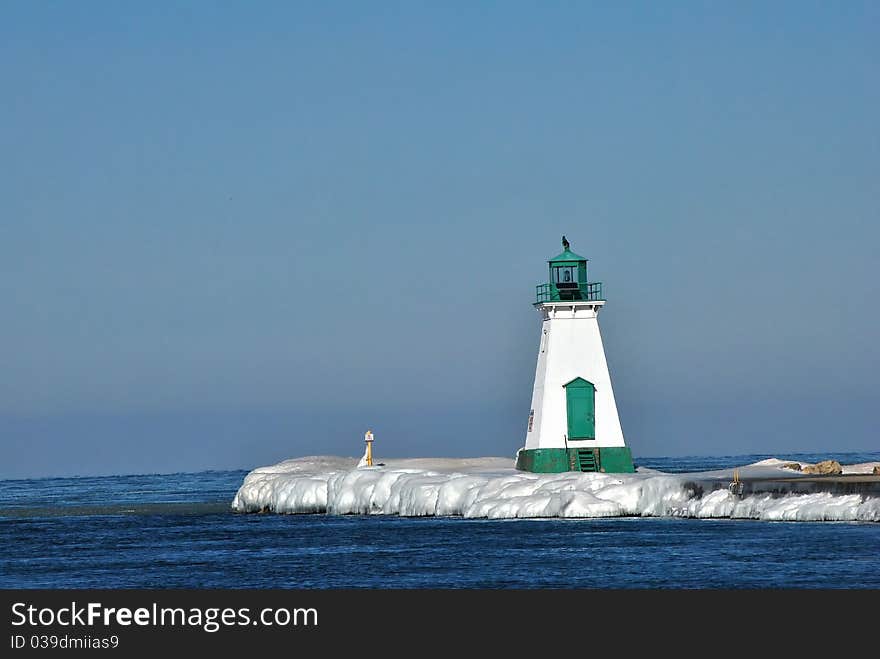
point(492, 488)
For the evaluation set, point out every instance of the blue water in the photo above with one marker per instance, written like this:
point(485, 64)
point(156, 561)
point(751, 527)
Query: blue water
point(176, 531)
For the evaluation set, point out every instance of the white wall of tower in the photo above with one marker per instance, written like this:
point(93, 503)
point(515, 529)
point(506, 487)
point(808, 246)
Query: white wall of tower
point(570, 347)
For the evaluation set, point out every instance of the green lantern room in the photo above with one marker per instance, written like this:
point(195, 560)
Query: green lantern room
point(568, 279)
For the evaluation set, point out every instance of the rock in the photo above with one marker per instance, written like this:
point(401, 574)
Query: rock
point(796, 466)
point(876, 471)
point(826, 468)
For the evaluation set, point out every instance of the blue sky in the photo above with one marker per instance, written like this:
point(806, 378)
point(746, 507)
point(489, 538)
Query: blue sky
point(233, 233)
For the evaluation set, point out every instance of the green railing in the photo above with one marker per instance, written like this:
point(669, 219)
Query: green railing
point(591, 292)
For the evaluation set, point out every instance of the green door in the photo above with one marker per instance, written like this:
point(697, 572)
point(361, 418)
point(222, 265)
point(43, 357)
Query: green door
point(580, 398)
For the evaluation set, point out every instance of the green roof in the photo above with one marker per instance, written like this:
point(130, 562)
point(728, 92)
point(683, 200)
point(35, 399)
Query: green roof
point(567, 255)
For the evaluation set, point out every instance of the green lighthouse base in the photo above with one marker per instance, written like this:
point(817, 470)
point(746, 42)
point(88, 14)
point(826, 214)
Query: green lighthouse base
point(607, 460)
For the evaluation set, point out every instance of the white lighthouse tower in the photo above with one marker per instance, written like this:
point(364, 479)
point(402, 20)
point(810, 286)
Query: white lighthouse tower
point(573, 423)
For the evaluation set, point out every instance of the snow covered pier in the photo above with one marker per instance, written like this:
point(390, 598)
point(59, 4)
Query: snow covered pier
point(492, 488)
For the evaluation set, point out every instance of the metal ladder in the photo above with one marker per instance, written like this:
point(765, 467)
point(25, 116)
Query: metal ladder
point(586, 460)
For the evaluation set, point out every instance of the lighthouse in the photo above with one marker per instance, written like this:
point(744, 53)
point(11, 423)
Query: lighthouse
point(573, 423)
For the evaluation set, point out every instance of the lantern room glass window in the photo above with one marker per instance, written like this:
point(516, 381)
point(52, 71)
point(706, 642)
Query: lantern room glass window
point(565, 274)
